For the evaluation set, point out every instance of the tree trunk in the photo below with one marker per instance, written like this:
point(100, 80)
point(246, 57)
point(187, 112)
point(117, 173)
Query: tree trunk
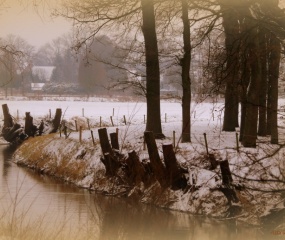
point(152, 69)
point(262, 109)
point(231, 27)
point(186, 81)
point(274, 62)
point(252, 103)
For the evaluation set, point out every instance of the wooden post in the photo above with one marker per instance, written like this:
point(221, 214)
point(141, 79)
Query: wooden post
point(93, 140)
point(135, 169)
point(56, 120)
point(213, 161)
point(104, 141)
point(82, 112)
point(114, 141)
point(237, 142)
point(112, 121)
point(213, 115)
point(206, 143)
point(117, 132)
point(174, 172)
point(165, 117)
point(174, 139)
point(110, 160)
point(49, 113)
point(80, 134)
point(226, 172)
point(100, 121)
point(8, 121)
point(41, 127)
point(125, 121)
point(88, 124)
point(28, 124)
point(155, 161)
point(113, 112)
point(76, 126)
point(65, 132)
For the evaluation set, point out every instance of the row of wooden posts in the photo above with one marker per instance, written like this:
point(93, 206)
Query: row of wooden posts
point(111, 117)
point(169, 174)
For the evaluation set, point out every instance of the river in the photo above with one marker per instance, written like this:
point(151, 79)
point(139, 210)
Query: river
point(35, 206)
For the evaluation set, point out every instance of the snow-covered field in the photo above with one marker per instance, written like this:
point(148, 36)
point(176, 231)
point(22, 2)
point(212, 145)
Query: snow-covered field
point(260, 172)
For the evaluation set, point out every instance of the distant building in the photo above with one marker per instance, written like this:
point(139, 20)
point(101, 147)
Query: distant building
point(37, 86)
point(41, 75)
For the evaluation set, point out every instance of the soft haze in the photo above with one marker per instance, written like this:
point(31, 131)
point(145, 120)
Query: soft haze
point(23, 20)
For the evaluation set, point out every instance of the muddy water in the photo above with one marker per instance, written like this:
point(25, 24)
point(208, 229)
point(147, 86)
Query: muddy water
point(34, 206)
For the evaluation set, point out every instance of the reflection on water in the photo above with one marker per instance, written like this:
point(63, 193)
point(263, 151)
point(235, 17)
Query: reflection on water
point(55, 210)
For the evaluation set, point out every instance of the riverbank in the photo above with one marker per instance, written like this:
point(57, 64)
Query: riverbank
point(258, 173)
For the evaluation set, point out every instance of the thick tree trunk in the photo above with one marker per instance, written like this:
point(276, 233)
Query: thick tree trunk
point(262, 109)
point(274, 62)
point(152, 69)
point(186, 81)
point(251, 117)
point(231, 27)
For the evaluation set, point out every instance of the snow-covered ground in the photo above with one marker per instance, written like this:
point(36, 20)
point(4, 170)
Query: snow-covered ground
point(259, 172)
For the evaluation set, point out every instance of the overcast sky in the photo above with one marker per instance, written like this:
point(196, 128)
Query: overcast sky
point(36, 28)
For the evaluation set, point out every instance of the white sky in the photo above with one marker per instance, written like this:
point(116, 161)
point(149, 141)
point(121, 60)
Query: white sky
point(36, 28)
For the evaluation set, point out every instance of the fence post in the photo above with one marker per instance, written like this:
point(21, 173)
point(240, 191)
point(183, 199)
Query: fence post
point(112, 121)
point(82, 112)
point(80, 134)
point(49, 113)
point(125, 121)
point(93, 141)
point(206, 143)
point(174, 138)
point(76, 127)
point(165, 117)
point(100, 121)
point(88, 123)
point(237, 142)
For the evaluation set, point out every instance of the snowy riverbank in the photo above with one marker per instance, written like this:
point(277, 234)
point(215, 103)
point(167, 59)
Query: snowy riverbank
point(258, 173)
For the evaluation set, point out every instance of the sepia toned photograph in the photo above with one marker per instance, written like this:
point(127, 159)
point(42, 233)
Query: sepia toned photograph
point(142, 120)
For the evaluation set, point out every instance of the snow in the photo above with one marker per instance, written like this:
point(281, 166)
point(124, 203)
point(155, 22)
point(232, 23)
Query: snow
point(250, 167)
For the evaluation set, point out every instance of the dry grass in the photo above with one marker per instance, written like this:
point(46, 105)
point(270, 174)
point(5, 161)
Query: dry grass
point(44, 154)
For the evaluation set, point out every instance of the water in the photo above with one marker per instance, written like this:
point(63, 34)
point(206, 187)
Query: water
point(34, 206)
